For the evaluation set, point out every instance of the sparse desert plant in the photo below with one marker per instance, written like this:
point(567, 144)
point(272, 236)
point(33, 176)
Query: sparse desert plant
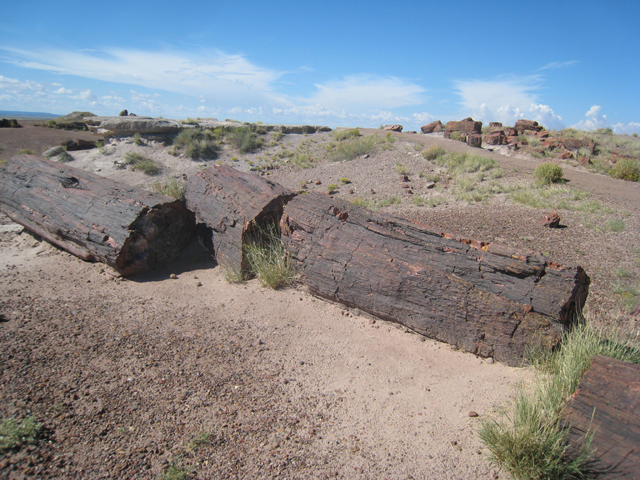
point(143, 164)
point(389, 138)
point(333, 188)
point(345, 134)
point(172, 187)
point(26, 151)
point(528, 439)
point(626, 169)
point(14, 434)
point(355, 147)
point(457, 136)
point(548, 173)
point(433, 152)
point(266, 256)
point(196, 143)
point(137, 139)
point(244, 139)
point(277, 136)
point(345, 180)
point(401, 168)
point(374, 205)
point(616, 225)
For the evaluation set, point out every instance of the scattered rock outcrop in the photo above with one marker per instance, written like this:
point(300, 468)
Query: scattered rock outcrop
point(78, 144)
point(123, 113)
point(527, 125)
point(432, 127)
point(9, 123)
point(393, 128)
point(551, 221)
point(464, 127)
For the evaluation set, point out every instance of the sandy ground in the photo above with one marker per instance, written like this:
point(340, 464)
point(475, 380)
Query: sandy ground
point(134, 377)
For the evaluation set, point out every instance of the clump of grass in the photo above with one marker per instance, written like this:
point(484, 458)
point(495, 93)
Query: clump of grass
point(458, 163)
point(548, 173)
point(374, 205)
point(277, 136)
point(14, 434)
point(355, 147)
point(138, 162)
point(528, 439)
point(345, 180)
point(345, 134)
point(389, 138)
point(26, 151)
point(198, 144)
point(432, 201)
point(433, 152)
point(172, 187)
point(244, 139)
point(333, 188)
point(233, 275)
point(626, 169)
point(137, 139)
point(266, 256)
point(556, 197)
point(616, 225)
point(401, 168)
point(175, 471)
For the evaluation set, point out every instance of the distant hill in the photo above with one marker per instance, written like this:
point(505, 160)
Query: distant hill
point(27, 115)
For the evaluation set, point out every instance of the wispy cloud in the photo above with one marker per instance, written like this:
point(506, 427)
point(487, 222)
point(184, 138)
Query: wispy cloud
point(506, 100)
point(558, 65)
point(230, 77)
point(369, 92)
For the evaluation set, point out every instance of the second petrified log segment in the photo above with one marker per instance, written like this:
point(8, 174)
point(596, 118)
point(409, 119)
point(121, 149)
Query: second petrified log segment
point(481, 299)
point(229, 202)
point(93, 217)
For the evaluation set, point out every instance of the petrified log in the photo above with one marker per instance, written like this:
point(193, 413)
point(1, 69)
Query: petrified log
point(229, 202)
point(477, 296)
point(607, 405)
point(93, 217)
point(481, 298)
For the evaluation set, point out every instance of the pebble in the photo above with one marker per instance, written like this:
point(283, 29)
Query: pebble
point(490, 360)
point(173, 276)
point(473, 414)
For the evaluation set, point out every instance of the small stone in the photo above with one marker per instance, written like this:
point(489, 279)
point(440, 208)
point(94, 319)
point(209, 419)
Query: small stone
point(173, 276)
point(405, 185)
point(454, 442)
point(473, 414)
point(318, 182)
point(490, 360)
point(372, 321)
point(430, 185)
point(404, 178)
point(198, 284)
point(351, 191)
point(551, 221)
point(373, 192)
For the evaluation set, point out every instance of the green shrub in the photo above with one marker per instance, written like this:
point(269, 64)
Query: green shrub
point(198, 144)
point(345, 134)
point(345, 180)
point(143, 164)
point(401, 168)
point(244, 139)
point(389, 138)
point(26, 151)
point(433, 152)
point(529, 439)
point(13, 434)
point(548, 173)
point(266, 256)
point(333, 188)
point(355, 147)
point(171, 188)
point(626, 169)
point(137, 139)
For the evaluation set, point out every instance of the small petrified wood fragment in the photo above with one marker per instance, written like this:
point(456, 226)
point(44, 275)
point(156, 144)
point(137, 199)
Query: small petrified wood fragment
point(92, 217)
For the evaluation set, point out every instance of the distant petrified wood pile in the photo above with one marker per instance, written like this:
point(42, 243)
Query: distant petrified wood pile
point(92, 217)
point(476, 296)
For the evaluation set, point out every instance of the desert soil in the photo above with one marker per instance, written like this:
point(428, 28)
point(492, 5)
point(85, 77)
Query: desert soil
point(134, 378)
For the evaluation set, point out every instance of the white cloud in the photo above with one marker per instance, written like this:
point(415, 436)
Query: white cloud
point(369, 92)
point(231, 77)
point(62, 90)
point(559, 65)
point(506, 100)
point(595, 119)
point(423, 117)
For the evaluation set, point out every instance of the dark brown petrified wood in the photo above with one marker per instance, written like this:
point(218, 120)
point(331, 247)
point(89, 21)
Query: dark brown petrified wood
point(482, 298)
point(93, 217)
point(607, 406)
point(228, 201)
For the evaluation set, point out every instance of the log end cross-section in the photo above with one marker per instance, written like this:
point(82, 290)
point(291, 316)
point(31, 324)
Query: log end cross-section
point(92, 217)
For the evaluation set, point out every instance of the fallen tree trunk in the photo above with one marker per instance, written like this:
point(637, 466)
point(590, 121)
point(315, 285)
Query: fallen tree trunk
point(93, 217)
point(229, 203)
point(606, 406)
point(479, 297)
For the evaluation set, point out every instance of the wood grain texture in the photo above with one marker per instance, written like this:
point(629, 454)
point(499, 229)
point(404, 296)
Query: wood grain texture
point(228, 201)
point(92, 217)
point(607, 403)
point(481, 298)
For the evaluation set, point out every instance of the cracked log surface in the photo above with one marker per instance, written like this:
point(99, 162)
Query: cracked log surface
point(228, 202)
point(483, 299)
point(479, 297)
point(92, 217)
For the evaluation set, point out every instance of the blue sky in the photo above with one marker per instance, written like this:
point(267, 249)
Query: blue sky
point(324, 62)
